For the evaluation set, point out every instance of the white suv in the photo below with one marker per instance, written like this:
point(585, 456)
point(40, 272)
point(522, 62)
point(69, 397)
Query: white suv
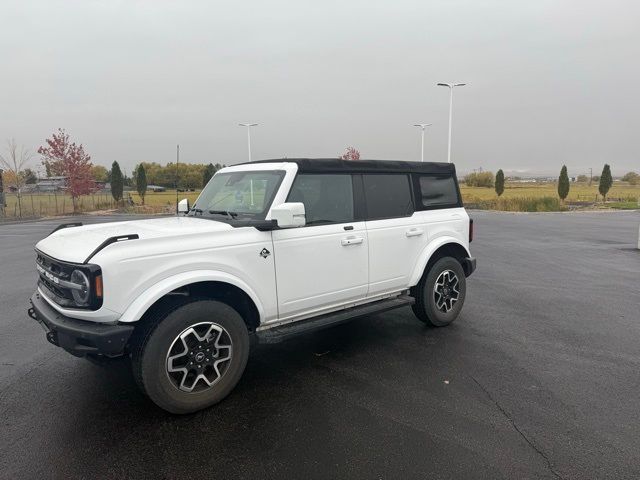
point(270, 249)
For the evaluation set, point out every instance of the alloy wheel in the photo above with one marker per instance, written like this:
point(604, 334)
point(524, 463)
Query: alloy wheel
point(446, 291)
point(199, 356)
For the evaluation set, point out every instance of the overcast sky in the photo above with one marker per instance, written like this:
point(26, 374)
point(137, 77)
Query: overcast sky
point(550, 81)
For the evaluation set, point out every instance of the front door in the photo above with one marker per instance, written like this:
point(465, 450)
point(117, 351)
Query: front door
point(325, 263)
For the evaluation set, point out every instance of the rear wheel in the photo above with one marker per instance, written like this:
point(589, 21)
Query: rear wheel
point(440, 293)
point(193, 357)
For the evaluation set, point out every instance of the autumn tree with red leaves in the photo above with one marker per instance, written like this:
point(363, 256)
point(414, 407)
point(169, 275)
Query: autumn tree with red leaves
point(350, 154)
point(65, 158)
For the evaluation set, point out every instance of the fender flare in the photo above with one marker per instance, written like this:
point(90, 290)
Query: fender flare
point(428, 251)
point(141, 304)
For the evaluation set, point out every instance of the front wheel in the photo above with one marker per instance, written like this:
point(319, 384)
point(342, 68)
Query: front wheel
point(193, 357)
point(440, 293)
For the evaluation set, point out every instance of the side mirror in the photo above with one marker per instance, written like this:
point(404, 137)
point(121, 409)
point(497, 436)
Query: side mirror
point(289, 215)
point(183, 206)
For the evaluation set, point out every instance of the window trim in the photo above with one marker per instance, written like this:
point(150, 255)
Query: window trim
point(412, 196)
point(356, 208)
point(359, 201)
point(418, 192)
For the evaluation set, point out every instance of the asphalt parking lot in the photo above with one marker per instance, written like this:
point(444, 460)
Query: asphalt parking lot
point(538, 378)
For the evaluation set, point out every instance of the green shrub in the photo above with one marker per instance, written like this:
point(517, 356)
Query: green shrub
point(563, 183)
point(479, 179)
point(632, 177)
point(499, 182)
point(605, 182)
point(117, 182)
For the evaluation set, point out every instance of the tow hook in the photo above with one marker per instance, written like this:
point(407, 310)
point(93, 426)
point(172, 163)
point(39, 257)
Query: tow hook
point(52, 338)
point(31, 312)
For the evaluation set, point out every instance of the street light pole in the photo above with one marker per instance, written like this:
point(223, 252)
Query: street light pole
point(177, 173)
point(451, 87)
point(422, 127)
point(248, 125)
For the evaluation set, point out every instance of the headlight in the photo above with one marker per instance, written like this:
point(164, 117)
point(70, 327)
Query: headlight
point(82, 291)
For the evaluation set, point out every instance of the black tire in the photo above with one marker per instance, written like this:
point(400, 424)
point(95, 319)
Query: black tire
point(150, 351)
point(426, 306)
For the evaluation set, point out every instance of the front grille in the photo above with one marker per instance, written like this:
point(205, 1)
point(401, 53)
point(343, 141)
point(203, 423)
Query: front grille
point(59, 294)
point(54, 267)
point(54, 293)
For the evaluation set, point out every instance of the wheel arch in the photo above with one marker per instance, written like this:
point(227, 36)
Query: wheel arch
point(444, 247)
point(219, 286)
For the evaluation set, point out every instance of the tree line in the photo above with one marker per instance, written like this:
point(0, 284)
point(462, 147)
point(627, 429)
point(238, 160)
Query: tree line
point(183, 176)
point(60, 156)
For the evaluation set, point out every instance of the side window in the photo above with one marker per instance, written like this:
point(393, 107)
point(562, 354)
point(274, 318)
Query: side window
point(327, 198)
point(438, 191)
point(387, 195)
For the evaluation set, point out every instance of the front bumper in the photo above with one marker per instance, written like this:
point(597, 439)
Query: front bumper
point(79, 337)
point(469, 265)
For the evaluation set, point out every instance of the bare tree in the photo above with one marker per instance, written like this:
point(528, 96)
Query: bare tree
point(14, 164)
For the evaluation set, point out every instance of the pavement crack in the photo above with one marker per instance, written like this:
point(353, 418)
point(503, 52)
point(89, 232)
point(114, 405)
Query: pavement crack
point(517, 429)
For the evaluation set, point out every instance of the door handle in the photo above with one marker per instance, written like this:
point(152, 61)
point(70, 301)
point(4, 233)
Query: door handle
point(414, 232)
point(351, 241)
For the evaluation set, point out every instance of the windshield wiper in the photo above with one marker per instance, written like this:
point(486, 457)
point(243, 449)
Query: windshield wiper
point(231, 215)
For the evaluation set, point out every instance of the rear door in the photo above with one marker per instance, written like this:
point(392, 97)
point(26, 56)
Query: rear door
point(439, 205)
point(323, 264)
point(396, 236)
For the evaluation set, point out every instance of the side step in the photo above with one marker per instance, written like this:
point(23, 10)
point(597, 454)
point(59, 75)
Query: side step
point(284, 332)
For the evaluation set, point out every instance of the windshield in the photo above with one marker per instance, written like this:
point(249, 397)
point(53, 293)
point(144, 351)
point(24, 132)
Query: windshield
point(243, 195)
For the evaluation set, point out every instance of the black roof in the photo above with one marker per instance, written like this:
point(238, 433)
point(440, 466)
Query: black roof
point(322, 165)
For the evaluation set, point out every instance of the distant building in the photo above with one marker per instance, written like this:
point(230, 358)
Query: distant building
point(51, 184)
point(522, 180)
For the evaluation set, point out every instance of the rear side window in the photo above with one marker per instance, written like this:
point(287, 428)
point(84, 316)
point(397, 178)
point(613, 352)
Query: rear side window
point(327, 198)
point(438, 191)
point(387, 195)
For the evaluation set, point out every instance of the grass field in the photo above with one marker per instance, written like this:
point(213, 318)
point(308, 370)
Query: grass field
point(157, 199)
point(50, 204)
point(516, 197)
point(543, 197)
point(578, 192)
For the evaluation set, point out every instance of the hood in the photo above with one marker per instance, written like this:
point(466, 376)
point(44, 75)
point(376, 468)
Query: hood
point(75, 244)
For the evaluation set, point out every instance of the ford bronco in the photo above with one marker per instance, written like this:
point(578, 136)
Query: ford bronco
point(270, 249)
